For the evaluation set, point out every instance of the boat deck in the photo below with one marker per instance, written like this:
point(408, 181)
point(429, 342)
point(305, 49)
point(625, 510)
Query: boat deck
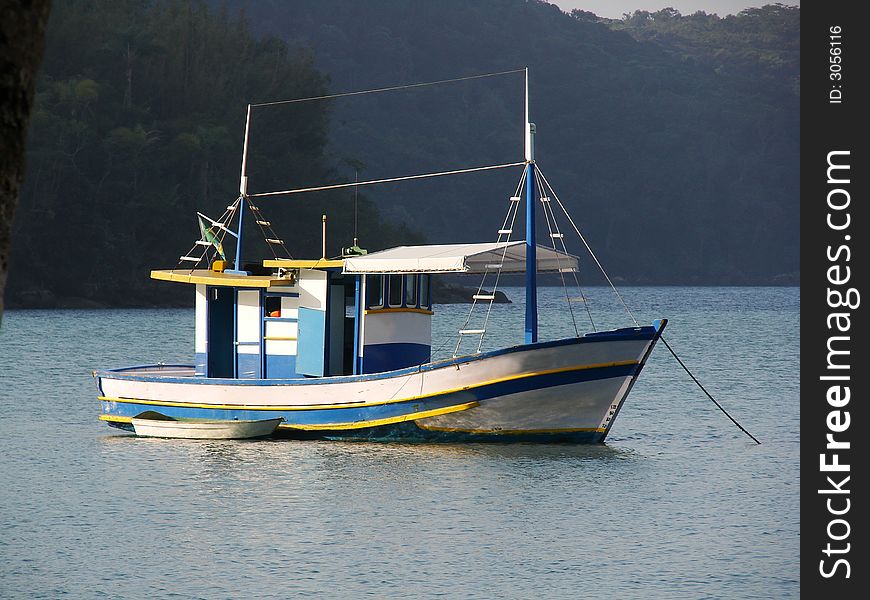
point(158, 370)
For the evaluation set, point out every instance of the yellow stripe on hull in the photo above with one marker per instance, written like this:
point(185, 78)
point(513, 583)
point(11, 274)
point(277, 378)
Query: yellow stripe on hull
point(344, 426)
point(378, 422)
point(365, 404)
point(116, 419)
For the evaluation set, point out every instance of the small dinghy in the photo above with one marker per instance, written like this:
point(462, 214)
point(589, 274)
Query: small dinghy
point(154, 424)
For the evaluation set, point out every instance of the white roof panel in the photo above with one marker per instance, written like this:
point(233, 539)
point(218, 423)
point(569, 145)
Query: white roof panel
point(459, 258)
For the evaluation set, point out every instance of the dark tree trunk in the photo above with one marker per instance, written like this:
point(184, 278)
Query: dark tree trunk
point(22, 39)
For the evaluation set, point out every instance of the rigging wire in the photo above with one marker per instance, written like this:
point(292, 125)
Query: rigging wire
point(664, 341)
point(513, 207)
point(222, 224)
point(553, 242)
point(516, 208)
point(391, 88)
point(703, 389)
point(565, 250)
point(229, 214)
point(205, 251)
point(589, 249)
point(265, 224)
point(387, 180)
point(504, 226)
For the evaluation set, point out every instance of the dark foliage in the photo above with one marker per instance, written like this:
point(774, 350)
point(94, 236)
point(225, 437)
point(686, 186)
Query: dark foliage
point(673, 139)
point(137, 124)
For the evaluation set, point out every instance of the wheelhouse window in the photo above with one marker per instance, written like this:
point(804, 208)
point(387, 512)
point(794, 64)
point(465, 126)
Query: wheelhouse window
point(424, 291)
point(395, 292)
point(411, 290)
point(272, 306)
point(374, 290)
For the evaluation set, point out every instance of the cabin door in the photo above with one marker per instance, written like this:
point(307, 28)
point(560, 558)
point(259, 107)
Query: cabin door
point(249, 335)
point(219, 344)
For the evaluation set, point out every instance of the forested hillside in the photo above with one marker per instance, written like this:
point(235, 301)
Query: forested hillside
point(673, 139)
point(138, 123)
point(756, 49)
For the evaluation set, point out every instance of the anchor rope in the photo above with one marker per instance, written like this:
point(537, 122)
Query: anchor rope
point(628, 310)
point(703, 389)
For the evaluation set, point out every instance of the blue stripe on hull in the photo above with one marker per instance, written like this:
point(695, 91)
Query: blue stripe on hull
point(382, 411)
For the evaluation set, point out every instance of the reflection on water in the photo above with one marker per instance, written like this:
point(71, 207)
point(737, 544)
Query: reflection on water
point(677, 504)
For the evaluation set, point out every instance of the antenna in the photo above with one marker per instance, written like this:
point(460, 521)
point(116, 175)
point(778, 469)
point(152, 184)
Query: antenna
point(243, 183)
point(243, 196)
point(528, 128)
point(355, 194)
point(323, 238)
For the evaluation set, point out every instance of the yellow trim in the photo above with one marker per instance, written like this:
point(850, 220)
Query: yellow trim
point(388, 421)
point(364, 404)
point(341, 426)
point(116, 419)
point(321, 263)
point(375, 311)
point(279, 338)
point(226, 279)
point(510, 431)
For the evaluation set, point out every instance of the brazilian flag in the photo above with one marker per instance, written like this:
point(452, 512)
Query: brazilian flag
point(209, 236)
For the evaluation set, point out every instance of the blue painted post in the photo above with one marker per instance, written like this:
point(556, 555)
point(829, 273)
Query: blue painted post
point(238, 266)
point(357, 323)
point(531, 259)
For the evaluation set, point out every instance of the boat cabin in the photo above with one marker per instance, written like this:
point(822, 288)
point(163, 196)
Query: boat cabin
point(290, 319)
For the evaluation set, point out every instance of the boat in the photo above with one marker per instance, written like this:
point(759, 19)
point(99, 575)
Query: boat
point(341, 348)
point(155, 424)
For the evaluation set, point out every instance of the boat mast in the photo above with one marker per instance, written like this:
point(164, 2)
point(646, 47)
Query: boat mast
point(531, 248)
point(243, 191)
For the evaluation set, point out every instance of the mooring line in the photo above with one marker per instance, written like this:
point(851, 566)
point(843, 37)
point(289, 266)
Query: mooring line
point(703, 389)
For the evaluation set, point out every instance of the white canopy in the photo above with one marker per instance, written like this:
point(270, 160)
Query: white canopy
point(459, 258)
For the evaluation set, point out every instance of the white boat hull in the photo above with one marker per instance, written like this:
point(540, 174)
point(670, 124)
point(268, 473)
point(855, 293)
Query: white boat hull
point(567, 390)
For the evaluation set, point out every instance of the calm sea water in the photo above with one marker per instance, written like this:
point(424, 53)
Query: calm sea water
point(677, 504)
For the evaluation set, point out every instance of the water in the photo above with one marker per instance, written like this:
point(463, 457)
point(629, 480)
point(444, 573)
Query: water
point(678, 504)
